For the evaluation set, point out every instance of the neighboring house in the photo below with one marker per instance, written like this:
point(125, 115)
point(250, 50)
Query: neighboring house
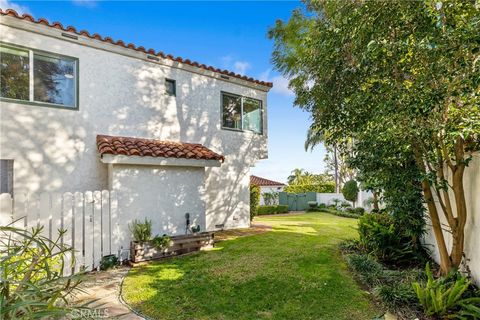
point(266, 186)
point(84, 112)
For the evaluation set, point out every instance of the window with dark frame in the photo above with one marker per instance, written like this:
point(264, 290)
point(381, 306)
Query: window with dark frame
point(242, 113)
point(38, 77)
point(6, 176)
point(170, 87)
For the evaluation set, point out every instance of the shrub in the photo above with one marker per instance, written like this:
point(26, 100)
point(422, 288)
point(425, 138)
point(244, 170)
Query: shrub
point(395, 296)
point(445, 298)
point(254, 200)
point(108, 262)
point(161, 242)
point(262, 210)
point(345, 204)
point(322, 206)
point(349, 246)
point(379, 237)
point(360, 211)
point(326, 187)
point(270, 198)
point(369, 270)
point(312, 204)
point(32, 285)
point(141, 231)
point(344, 214)
point(350, 190)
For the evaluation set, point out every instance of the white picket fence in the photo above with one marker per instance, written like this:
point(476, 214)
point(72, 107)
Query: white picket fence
point(89, 218)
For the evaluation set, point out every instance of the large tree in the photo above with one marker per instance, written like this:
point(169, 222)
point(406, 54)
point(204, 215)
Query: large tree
point(397, 75)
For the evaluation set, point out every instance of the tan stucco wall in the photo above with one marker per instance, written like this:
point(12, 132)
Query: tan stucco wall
point(54, 149)
point(472, 229)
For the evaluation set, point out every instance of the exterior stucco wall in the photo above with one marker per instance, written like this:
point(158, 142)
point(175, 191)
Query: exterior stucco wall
point(54, 150)
point(161, 194)
point(471, 185)
point(269, 189)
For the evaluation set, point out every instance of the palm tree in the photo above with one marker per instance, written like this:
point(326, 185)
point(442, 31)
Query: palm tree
point(296, 176)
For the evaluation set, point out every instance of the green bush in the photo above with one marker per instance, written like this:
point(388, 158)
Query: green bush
point(141, 231)
point(350, 190)
point(161, 242)
point(345, 214)
point(395, 296)
point(262, 210)
point(322, 206)
point(379, 237)
point(326, 187)
point(359, 210)
point(32, 284)
point(445, 298)
point(254, 200)
point(369, 270)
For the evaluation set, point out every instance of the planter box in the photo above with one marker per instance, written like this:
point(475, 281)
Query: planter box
point(179, 245)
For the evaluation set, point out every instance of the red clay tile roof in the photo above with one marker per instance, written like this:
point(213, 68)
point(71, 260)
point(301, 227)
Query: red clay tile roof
point(264, 182)
point(96, 36)
point(154, 148)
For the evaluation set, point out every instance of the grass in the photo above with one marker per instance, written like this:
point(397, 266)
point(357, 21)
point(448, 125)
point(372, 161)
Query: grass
point(292, 272)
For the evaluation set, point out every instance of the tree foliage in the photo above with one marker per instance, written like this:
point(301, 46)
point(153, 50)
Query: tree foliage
point(350, 190)
point(401, 79)
point(301, 181)
point(254, 200)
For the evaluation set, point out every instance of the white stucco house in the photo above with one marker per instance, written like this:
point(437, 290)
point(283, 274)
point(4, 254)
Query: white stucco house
point(80, 111)
point(267, 186)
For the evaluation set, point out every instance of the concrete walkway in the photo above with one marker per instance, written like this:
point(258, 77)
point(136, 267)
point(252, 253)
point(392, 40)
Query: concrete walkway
point(102, 293)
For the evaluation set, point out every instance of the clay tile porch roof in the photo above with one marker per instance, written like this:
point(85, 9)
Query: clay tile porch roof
point(129, 146)
point(262, 182)
point(96, 36)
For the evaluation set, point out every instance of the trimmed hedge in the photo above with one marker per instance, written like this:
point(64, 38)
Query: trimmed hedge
point(272, 209)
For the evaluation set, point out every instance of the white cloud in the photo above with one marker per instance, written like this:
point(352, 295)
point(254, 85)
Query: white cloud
point(280, 83)
point(85, 3)
point(241, 67)
point(6, 4)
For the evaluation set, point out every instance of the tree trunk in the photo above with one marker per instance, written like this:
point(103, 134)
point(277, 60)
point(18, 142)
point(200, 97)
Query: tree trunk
point(445, 262)
point(337, 189)
point(375, 201)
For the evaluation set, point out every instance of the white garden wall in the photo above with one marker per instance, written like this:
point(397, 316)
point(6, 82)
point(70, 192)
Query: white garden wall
point(472, 229)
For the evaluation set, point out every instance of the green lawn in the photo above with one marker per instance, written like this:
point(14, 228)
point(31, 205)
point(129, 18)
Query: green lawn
point(292, 272)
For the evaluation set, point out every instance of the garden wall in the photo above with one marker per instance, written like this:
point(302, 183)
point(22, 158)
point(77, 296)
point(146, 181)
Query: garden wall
point(472, 230)
point(328, 198)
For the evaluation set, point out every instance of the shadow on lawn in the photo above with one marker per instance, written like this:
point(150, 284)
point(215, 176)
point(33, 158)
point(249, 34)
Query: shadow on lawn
point(270, 275)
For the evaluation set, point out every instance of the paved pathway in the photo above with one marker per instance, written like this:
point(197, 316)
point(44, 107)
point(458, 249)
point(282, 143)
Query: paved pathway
point(104, 288)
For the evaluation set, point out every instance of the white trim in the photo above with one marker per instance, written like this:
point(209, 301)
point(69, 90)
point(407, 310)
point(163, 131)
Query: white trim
point(158, 161)
point(98, 44)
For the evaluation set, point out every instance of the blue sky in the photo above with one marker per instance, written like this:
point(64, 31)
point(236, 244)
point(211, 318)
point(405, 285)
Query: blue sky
point(230, 35)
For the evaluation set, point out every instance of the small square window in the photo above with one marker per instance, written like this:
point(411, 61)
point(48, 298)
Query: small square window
point(170, 87)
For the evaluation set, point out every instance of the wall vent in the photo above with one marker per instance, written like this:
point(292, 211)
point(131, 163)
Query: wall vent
point(152, 57)
point(219, 226)
point(71, 36)
point(224, 77)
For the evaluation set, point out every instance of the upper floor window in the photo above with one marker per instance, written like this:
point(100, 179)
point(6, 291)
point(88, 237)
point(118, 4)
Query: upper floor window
point(170, 87)
point(38, 77)
point(242, 113)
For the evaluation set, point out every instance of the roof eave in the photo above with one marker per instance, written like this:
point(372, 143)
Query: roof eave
point(56, 30)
